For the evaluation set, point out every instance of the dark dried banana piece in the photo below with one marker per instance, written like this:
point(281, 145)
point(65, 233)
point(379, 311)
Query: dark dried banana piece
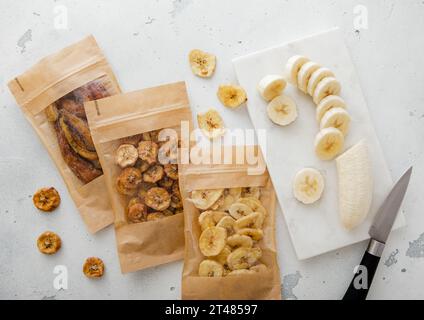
point(158, 199)
point(49, 242)
point(166, 182)
point(128, 181)
point(171, 171)
point(52, 113)
point(46, 199)
point(136, 211)
point(153, 174)
point(73, 107)
point(93, 267)
point(148, 151)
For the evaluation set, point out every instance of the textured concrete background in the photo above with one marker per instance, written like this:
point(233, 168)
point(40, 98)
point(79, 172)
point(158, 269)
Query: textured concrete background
point(147, 43)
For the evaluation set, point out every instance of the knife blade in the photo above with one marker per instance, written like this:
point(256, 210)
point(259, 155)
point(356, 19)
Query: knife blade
point(379, 232)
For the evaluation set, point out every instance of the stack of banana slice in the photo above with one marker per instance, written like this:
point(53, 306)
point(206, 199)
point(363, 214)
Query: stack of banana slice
point(231, 221)
point(320, 83)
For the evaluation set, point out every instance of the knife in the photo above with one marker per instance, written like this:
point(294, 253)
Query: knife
point(379, 232)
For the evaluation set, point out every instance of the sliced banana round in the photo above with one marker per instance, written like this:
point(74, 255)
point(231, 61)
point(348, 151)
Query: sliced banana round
point(305, 74)
point(126, 155)
point(308, 185)
point(240, 241)
point(327, 86)
point(202, 63)
point(210, 268)
point(254, 220)
point(211, 124)
point(227, 222)
point(231, 96)
point(254, 192)
point(223, 255)
point(329, 103)
point(210, 218)
point(316, 77)
point(271, 86)
point(212, 241)
point(204, 199)
point(282, 110)
point(328, 143)
point(243, 258)
point(337, 118)
point(238, 210)
point(254, 204)
point(255, 234)
point(293, 67)
point(240, 272)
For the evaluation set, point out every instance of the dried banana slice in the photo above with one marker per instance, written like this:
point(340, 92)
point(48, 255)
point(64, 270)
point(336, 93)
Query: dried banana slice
point(211, 124)
point(210, 218)
point(148, 151)
point(238, 210)
point(202, 63)
point(155, 216)
point(254, 204)
point(210, 268)
point(171, 171)
point(157, 199)
point(243, 258)
point(218, 203)
point(240, 241)
point(143, 188)
point(136, 212)
point(259, 268)
point(128, 181)
point(153, 174)
point(46, 199)
point(93, 267)
point(142, 165)
point(166, 182)
point(176, 201)
point(255, 234)
point(229, 197)
point(227, 222)
point(254, 220)
point(254, 192)
point(204, 199)
point(49, 242)
point(223, 255)
point(231, 96)
point(52, 113)
point(240, 272)
point(126, 155)
point(212, 241)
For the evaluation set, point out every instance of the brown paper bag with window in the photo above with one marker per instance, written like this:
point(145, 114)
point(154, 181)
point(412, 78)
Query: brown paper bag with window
point(144, 190)
point(52, 94)
point(259, 285)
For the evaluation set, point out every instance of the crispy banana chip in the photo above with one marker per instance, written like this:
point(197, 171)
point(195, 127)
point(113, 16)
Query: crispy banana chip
point(243, 258)
point(231, 96)
point(254, 204)
point(136, 212)
point(148, 151)
point(254, 220)
point(153, 174)
point(254, 192)
point(126, 155)
point(210, 218)
point(204, 199)
point(238, 210)
point(171, 170)
point(212, 241)
point(93, 267)
point(49, 242)
point(210, 268)
point(202, 63)
point(211, 124)
point(240, 241)
point(128, 181)
point(227, 222)
point(255, 234)
point(223, 255)
point(46, 199)
point(166, 182)
point(52, 113)
point(157, 199)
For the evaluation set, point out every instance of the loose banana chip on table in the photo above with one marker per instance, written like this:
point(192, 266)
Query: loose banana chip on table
point(328, 143)
point(210, 268)
point(126, 155)
point(211, 124)
point(282, 110)
point(293, 66)
point(204, 199)
point(46, 199)
point(49, 243)
point(271, 86)
point(202, 63)
point(231, 96)
point(212, 241)
point(308, 185)
point(93, 267)
point(327, 104)
point(337, 118)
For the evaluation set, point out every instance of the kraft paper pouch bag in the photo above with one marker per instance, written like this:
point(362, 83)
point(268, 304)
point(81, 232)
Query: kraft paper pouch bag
point(52, 95)
point(137, 136)
point(213, 277)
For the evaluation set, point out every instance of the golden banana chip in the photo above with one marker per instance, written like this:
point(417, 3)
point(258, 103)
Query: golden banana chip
point(231, 96)
point(211, 124)
point(136, 212)
point(171, 171)
point(210, 268)
point(126, 155)
point(93, 267)
point(46, 199)
point(157, 199)
point(153, 174)
point(128, 181)
point(202, 63)
point(212, 241)
point(148, 151)
point(166, 182)
point(49, 242)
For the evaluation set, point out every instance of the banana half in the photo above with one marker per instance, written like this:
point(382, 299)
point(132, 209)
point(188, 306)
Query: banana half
point(308, 185)
point(355, 185)
point(282, 110)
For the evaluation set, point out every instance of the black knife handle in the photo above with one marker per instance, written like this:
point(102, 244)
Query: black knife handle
point(361, 282)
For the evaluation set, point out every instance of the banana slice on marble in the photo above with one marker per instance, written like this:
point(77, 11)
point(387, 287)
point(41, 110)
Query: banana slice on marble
point(282, 110)
point(328, 143)
point(316, 77)
point(327, 104)
point(337, 118)
point(271, 86)
point(308, 185)
point(305, 74)
point(326, 87)
point(293, 66)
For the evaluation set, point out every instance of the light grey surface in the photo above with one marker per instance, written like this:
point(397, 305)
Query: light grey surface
point(147, 44)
